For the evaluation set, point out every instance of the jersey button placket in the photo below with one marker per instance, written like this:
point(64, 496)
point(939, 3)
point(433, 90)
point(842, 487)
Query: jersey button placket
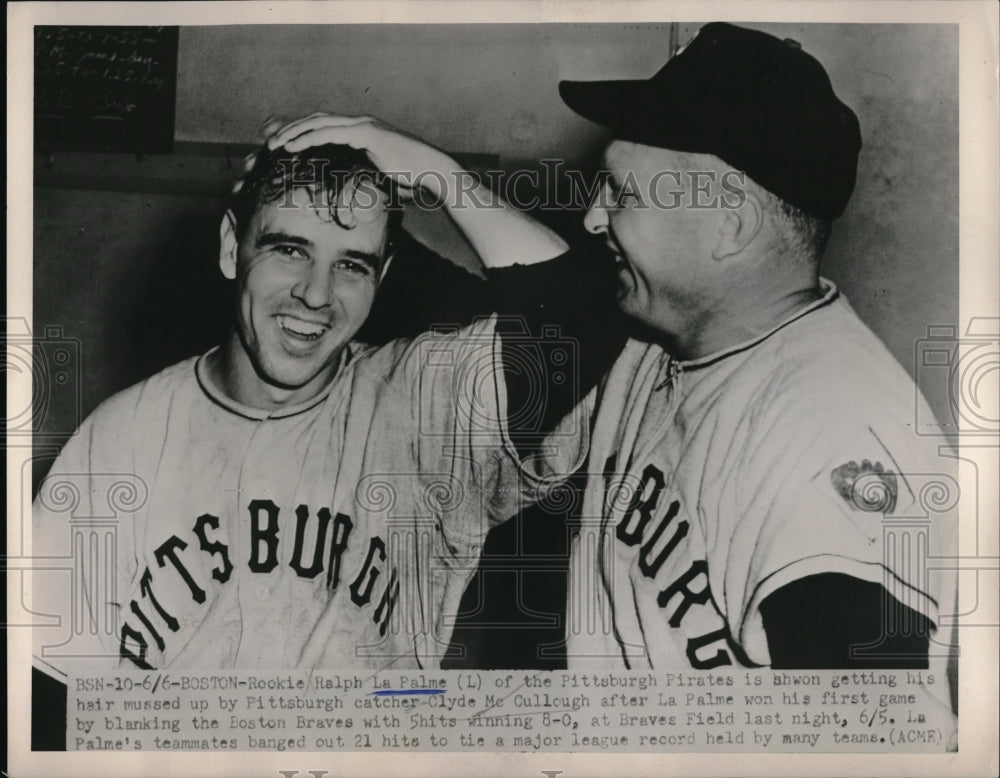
point(251, 593)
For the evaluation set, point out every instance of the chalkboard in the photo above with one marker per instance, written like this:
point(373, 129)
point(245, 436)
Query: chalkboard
point(105, 88)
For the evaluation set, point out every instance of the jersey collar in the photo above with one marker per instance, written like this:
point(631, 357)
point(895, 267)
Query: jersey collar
point(830, 293)
point(216, 395)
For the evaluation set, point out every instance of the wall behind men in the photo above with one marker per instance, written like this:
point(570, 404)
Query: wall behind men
point(132, 275)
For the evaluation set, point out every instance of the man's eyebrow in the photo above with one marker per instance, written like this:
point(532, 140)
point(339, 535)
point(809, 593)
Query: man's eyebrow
point(614, 178)
point(266, 239)
point(277, 238)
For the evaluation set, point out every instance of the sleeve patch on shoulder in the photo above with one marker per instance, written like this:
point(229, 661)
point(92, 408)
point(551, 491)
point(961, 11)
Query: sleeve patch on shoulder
point(867, 487)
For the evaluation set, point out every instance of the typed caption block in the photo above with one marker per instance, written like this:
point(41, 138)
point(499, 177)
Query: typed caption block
point(751, 711)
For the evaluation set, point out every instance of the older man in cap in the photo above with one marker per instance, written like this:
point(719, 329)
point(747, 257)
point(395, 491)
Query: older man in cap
point(755, 440)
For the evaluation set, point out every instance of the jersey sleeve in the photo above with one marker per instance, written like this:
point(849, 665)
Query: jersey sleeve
point(438, 468)
point(441, 425)
point(842, 498)
point(501, 408)
point(478, 413)
point(80, 527)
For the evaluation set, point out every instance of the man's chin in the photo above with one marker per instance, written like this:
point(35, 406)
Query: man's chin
point(626, 298)
point(292, 373)
point(630, 305)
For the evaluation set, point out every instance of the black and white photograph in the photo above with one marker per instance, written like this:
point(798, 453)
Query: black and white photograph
point(571, 388)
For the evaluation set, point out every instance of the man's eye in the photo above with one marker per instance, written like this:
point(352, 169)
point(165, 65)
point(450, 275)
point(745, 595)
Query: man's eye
point(290, 252)
point(353, 267)
point(621, 197)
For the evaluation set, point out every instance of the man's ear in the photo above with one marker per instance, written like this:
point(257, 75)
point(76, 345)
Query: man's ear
point(739, 226)
point(228, 245)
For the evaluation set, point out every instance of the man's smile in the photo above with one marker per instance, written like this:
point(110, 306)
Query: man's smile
point(622, 265)
point(303, 329)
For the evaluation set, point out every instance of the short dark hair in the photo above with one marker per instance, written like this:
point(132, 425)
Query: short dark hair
point(812, 232)
point(325, 169)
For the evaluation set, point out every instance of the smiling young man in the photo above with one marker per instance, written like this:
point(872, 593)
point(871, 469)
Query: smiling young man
point(753, 450)
point(295, 498)
point(305, 281)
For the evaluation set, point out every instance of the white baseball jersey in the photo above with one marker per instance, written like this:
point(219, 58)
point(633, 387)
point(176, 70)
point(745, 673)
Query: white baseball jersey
point(197, 532)
point(717, 481)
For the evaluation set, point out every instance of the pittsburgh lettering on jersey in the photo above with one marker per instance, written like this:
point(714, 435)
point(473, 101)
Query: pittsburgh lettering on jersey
point(644, 524)
point(147, 620)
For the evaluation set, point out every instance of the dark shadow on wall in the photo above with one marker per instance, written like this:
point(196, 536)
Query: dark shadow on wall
point(130, 282)
point(186, 303)
point(512, 614)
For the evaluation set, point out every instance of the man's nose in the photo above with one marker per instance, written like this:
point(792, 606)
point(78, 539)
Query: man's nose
point(596, 220)
point(315, 287)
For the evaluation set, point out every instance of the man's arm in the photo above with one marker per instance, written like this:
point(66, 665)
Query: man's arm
point(566, 304)
point(837, 621)
point(500, 234)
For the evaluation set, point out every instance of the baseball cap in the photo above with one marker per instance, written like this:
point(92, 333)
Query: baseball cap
point(759, 103)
